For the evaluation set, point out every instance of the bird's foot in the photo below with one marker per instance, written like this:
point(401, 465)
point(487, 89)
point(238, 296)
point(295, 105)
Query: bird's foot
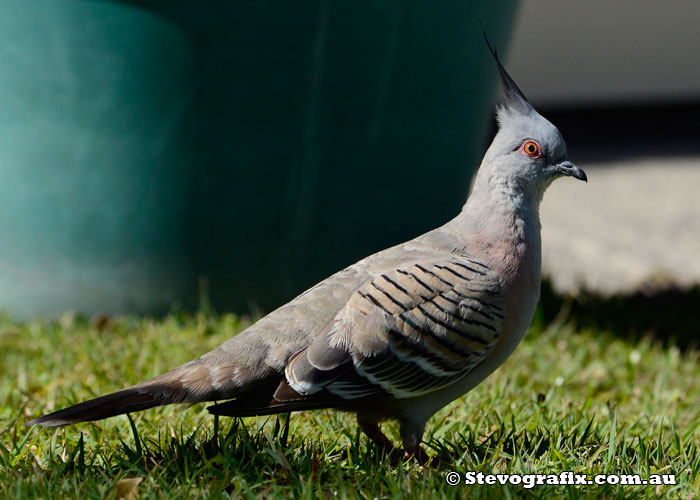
point(411, 448)
point(419, 455)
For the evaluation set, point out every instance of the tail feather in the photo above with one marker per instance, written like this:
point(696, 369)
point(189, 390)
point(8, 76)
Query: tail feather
point(159, 391)
point(124, 401)
point(192, 382)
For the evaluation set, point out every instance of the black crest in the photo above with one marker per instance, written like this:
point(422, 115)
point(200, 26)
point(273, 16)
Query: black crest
point(512, 97)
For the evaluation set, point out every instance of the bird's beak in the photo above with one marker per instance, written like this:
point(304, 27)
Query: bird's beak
point(568, 168)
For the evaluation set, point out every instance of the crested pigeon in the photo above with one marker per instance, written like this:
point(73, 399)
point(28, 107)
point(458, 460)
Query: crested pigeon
point(401, 333)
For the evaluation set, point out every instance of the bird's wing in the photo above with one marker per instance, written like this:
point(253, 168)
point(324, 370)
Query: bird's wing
point(406, 332)
point(379, 325)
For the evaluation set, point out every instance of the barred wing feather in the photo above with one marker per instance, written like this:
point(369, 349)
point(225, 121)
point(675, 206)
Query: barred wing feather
point(407, 332)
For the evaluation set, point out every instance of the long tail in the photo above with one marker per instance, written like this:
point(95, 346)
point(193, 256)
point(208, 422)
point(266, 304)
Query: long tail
point(175, 386)
point(211, 377)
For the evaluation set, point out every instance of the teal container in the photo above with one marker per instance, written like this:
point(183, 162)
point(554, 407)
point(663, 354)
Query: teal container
point(260, 145)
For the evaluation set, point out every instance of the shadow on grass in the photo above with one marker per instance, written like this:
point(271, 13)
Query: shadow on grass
point(670, 315)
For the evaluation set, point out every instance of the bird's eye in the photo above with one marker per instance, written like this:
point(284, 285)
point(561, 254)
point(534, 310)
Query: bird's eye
point(531, 148)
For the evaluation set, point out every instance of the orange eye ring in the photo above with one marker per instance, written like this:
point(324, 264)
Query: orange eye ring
point(531, 148)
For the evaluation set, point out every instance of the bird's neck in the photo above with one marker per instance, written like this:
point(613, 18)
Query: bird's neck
point(504, 222)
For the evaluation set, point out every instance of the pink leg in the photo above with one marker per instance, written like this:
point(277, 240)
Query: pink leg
point(372, 430)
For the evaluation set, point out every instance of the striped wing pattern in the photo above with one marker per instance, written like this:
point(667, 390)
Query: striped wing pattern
point(438, 322)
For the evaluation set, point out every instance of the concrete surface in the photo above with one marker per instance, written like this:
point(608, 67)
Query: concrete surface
point(636, 223)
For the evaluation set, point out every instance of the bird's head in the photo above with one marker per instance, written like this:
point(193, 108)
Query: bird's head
point(528, 152)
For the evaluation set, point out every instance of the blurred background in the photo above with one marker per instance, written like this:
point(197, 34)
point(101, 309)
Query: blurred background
point(621, 80)
point(155, 152)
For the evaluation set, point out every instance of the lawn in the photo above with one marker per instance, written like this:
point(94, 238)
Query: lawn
point(572, 398)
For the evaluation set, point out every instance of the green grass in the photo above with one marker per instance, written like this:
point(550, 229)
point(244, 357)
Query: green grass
point(581, 400)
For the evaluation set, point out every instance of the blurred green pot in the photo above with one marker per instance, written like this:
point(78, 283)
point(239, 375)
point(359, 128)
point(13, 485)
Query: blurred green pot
point(261, 145)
